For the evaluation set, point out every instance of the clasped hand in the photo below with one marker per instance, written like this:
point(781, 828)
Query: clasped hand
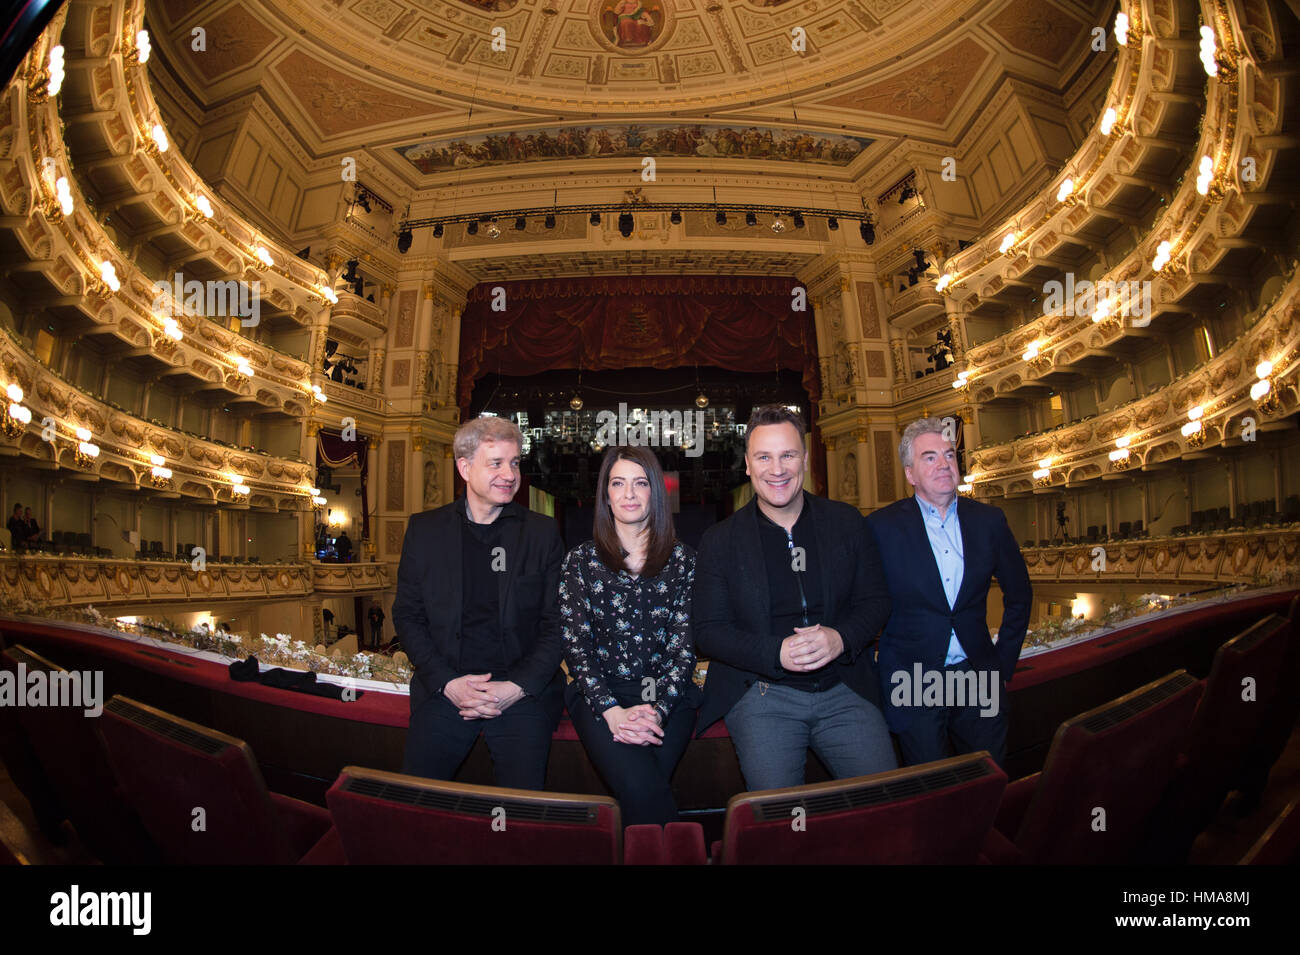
point(636, 725)
point(810, 648)
point(478, 697)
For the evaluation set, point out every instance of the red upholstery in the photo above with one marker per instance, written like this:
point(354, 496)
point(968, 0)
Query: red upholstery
point(392, 819)
point(328, 851)
point(1279, 718)
point(1224, 725)
point(169, 768)
point(1015, 802)
point(677, 843)
point(644, 845)
point(935, 813)
point(75, 768)
point(1119, 758)
point(684, 843)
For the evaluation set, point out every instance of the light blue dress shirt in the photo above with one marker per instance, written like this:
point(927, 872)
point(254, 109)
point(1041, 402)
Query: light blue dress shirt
point(945, 541)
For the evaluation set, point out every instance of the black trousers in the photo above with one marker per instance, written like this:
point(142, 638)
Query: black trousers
point(640, 777)
point(937, 732)
point(519, 740)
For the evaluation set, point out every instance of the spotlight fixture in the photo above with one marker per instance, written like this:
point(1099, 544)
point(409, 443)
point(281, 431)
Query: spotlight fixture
point(720, 218)
point(404, 240)
point(437, 230)
point(868, 231)
point(751, 219)
point(550, 221)
point(676, 217)
point(595, 218)
point(626, 222)
point(833, 224)
point(908, 192)
point(472, 228)
point(520, 223)
point(797, 218)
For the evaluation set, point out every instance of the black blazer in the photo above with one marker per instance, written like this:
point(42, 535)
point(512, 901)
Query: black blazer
point(731, 607)
point(427, 609)
point(921, 624)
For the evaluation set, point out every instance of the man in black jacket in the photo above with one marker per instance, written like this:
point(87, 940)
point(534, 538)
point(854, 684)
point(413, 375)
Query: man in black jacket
point(477, 613)
point(789, 595)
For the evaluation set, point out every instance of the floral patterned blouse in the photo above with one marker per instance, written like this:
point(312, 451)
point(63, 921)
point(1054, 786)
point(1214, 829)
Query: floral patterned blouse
point(619, 627)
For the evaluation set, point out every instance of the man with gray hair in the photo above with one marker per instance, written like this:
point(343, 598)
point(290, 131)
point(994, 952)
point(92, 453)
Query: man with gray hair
point(477, 613)
point(941, 673)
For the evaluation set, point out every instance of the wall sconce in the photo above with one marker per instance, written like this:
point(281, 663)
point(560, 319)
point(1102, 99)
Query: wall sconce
point(945, 280)
point(142, 47)
point(86, 451)
point(318, 397)
point(204, 205)
point(1108, 120)
point(1262, 391)
point(237, 486)
point(962, 381)
point(172, 330)
point(1008, 243)
point(1066, 192)
point(160, 475)
point(16, 415)
point(264, 256)
point(1161, 260)
point(1194, 430)
point(45, 83)
point(1119, 458)
point(966, 489)
point(1043, 475)
point(1206, 184)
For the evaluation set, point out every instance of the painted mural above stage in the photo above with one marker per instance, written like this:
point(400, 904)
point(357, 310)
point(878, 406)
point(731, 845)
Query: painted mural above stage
point(599, 142)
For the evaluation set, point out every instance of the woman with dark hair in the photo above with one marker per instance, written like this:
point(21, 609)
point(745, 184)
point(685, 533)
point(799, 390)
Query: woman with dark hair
point(625, 606)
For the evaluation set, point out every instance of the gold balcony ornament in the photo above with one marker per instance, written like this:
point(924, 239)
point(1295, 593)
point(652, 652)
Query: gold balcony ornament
point(1119, 458)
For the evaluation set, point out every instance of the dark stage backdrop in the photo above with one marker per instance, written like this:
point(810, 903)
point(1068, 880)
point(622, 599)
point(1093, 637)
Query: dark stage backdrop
point(741, 323)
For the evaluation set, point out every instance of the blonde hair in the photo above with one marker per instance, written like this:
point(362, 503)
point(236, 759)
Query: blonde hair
point(487, 428)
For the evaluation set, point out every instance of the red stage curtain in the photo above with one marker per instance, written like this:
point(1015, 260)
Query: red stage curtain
point(741, 323)
point(333, 451)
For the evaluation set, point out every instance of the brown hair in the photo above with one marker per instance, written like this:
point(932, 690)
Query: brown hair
point(659, 527)
point(773, 414)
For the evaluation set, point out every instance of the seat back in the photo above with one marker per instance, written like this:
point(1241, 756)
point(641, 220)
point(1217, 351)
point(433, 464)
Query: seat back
point(198, 791)
point(393, 819)
point(1246, 680)
point(934, 813)
point(1105, 772)
point(73, 763)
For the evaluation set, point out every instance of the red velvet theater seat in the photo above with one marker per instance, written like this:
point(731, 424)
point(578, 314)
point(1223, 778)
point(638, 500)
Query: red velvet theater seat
point(391, 819)
point(935, 813)
point(1280, 843)
point(1222, 732)
point(1279, 718)
point(74, 772)
point(170, 767)
point(677, 843)
point(1118, 758)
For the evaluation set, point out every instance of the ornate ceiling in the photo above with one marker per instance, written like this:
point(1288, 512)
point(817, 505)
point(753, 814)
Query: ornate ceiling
point(419, 75)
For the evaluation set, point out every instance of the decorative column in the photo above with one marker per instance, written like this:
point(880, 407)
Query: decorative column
point(377, 355)
point(832, 468)
point(866, 490)
point(954, 324)
point(373, 444)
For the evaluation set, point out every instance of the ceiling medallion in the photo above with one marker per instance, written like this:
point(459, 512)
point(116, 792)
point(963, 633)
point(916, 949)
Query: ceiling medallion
point(631, 27)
